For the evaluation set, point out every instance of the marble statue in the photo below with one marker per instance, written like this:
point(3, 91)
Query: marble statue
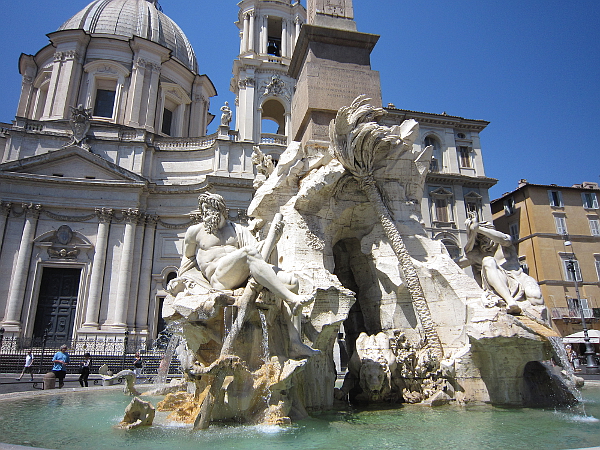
point(496, 265)
point(225, 115)
point(222, 255)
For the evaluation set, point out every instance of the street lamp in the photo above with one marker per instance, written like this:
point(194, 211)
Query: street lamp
point(590, 354)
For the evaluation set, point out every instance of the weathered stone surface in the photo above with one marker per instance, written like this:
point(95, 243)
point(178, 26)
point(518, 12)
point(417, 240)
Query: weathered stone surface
point(137, 414)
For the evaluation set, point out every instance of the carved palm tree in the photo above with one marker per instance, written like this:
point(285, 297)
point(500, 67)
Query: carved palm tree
point(357, 141)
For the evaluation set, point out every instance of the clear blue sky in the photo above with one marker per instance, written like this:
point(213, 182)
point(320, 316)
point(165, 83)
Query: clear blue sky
point(530, 67)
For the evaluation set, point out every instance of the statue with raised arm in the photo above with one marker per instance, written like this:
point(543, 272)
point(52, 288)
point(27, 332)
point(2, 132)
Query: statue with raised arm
point(496, 266)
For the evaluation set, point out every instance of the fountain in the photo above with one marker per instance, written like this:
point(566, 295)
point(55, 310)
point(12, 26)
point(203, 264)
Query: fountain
point(254, 321)
point(343, 237)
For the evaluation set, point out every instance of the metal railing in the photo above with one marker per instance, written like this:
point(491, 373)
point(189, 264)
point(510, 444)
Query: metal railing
point(562, 313)
point(117, 352)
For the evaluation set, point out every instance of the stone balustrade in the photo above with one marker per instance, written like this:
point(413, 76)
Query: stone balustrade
point(271, 138)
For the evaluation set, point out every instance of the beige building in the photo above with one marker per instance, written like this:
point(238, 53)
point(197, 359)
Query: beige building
point(93, 211)
point(553, 225)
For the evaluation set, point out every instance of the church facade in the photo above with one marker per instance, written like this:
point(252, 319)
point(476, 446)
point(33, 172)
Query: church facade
point(101, 167)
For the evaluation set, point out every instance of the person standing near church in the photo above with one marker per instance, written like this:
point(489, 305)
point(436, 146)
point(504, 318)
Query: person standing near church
point(84, 370)
point(28, 368)
point(60, 361)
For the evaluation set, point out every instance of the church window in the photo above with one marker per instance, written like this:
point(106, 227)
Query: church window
point(173, 109)
point(105, 103)
point(167, 121)
point(274, 36)
point(105, 86)
point(273, 118)
point(555, 198)
point(464, 154)
point(590, 201)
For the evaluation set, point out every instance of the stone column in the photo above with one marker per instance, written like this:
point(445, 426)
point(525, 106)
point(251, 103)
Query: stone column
point(152, 95)
point(143, 301)
point(288, 127)
point(241, 42)
point(284, 38)
point(132, 114)
point(252, 32)
point(246, 25)
point(68, 62)
point(17, 291)
point(97, 277)
point(4, 213)
point(131, 217)
point(297, 23)
point(265, 35)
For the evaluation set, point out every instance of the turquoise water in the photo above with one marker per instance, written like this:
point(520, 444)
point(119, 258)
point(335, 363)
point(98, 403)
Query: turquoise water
point(80, 420)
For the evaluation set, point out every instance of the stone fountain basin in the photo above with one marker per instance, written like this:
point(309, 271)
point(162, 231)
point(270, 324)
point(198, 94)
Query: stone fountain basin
point(79, 418)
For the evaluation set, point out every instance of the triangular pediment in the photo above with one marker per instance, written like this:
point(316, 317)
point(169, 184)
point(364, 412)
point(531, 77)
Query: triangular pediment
point(71, 163)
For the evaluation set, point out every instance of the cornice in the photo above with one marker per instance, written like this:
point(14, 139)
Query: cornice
point(464, 180)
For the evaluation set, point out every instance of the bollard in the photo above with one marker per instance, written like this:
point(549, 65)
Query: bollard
point(49, 380)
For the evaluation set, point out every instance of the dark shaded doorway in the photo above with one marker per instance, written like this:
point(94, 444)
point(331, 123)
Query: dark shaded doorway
point(57, 303)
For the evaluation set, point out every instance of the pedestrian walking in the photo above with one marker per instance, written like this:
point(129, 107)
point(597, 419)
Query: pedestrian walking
point(28, 367)
point(60, 361)
point(84, 370)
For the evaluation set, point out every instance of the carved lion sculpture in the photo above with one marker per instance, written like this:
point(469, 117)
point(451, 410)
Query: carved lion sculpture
point(370, 371)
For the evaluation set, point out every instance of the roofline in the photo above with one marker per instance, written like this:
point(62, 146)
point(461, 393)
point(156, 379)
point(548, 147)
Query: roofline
point(546, 186)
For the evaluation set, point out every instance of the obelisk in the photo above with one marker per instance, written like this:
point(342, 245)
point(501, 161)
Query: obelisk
point(332, 63)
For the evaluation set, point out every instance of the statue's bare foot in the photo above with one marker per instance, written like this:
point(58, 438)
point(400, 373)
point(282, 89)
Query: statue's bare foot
point(299, 350)
point(513, 309)
point(305, 300)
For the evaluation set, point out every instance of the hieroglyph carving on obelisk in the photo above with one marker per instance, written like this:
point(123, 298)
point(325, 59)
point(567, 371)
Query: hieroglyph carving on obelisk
point(335, 8)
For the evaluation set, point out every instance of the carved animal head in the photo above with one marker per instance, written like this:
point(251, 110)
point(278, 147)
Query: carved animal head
point(374, 378)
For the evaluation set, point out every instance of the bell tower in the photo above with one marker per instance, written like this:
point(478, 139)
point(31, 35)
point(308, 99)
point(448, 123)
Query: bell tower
point(268, 33)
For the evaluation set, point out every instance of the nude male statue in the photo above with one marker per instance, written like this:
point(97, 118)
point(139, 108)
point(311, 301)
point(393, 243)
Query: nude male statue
point(222, 255)
point(493, 256)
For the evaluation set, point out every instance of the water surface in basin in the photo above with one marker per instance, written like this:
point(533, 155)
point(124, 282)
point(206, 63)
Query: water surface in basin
point(78, 420)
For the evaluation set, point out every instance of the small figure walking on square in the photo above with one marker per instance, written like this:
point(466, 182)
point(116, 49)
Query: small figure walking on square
point(28, 368)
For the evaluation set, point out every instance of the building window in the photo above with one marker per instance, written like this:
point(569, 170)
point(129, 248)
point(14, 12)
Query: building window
point(441, 209)
point(473, 202)
point(274, 29)
point(598, 266)
point(513, 230)
point(590, 201)
point(174, 103)
point(452, 247)
point(105, 103)
point(561, 224)
point(576, 305)
point(555, 198)
point(594, 226)
point(106, 81)
point(568, 272)
point(464, 155)
point(436, 160)
point(509, 206)
point(167, 122)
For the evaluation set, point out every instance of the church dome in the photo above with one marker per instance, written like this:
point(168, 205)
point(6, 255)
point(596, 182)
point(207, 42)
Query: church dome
point(131, 18)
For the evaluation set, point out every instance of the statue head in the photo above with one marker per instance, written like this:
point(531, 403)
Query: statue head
point(213, 209)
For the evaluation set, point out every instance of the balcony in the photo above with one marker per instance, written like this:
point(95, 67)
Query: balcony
point(272, 138)
point(571, 315)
